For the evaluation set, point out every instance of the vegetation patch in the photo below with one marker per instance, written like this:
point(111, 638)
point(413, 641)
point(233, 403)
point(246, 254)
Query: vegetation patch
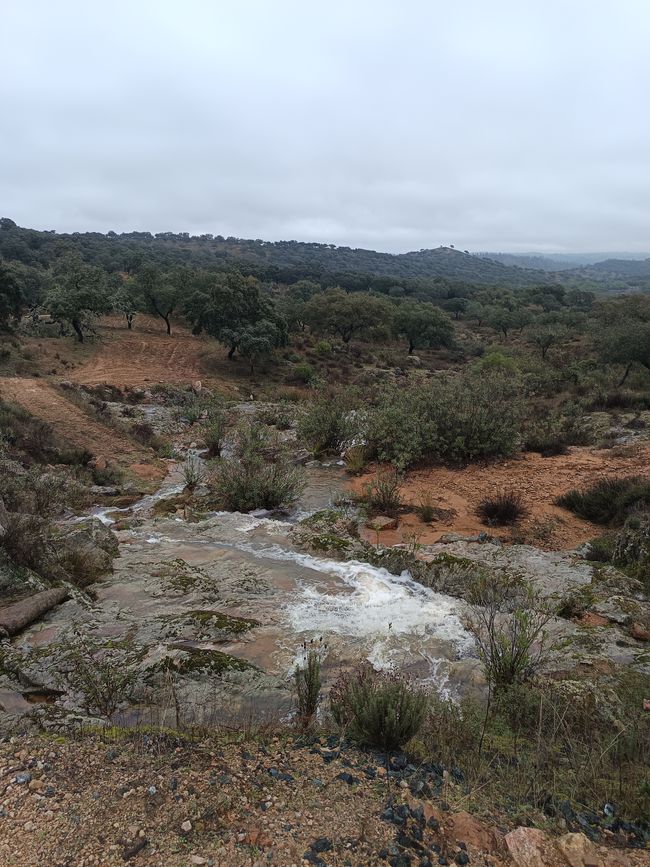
point(608, 501)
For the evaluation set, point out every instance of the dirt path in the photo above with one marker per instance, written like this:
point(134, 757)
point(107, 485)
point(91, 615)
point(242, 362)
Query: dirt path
point(144, 356)
point(539, 480)
point(70, 423)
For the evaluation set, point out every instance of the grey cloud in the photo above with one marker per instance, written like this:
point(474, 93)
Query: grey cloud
point(394, 125)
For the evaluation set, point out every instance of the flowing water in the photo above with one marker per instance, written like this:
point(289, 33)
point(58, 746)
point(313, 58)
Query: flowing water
point(247, 566)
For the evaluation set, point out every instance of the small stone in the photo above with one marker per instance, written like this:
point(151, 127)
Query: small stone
point(23, 778)
point(152, 790)
point(186, 826)
point(197, 859)
point(29, 826)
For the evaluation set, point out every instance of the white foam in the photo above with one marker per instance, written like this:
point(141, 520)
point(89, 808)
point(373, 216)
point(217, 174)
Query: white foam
point(379, 605)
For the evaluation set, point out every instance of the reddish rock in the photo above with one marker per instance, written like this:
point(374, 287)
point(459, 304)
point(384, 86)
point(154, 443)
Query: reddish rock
point(382, 522)
point(465, 828)
point(529, 847)
point(639, 632)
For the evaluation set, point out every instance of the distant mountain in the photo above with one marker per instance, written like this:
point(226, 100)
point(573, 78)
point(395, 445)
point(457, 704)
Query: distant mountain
point(557, 261)
point(280, 260)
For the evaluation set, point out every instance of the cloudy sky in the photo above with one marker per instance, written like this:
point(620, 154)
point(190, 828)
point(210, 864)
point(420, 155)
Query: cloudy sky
point(391, 124)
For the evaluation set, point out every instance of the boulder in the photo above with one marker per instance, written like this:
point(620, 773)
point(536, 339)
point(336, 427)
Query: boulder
point(529, 847)
point(639, 632)
point(382, 522)
point(577, 851)
point(92, 543)
point(98, 462)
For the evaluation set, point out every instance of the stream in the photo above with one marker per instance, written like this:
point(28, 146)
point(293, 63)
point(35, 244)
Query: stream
point(246, 566)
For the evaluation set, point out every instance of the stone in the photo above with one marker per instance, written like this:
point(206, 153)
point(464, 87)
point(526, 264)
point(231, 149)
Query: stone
point(198, 859)
point(197, 386)
point(639, 632)
point(528, 847)
point(577, 851)
point(468, 829)
point(99, 462)
point(186, 826)
point(29, 826)
point(381, 523)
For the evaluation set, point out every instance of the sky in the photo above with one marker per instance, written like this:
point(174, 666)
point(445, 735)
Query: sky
point(509, 125)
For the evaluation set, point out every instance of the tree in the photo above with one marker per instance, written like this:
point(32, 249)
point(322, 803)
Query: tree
point(546, 332)
point(234, 310)
point(124, 300)
point(347, 314)
point(456, 306)
point(422, 325)
point(623, 333)
point(161, 292)
point(79, 294)
point(11, 296)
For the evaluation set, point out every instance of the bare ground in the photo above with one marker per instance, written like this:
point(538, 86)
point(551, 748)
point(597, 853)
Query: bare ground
point(72, 425)
point(539, 480)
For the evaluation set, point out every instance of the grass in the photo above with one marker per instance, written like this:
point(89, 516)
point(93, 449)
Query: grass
point(608, 501)
point(502, 509)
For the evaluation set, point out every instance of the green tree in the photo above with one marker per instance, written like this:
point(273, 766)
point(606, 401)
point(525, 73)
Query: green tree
point(423, 325)
point(348, 314)
point(161, 292)
point(623, 332)
point(11, 296)
point(79, 294)
point(124, 300)
point(234, 310)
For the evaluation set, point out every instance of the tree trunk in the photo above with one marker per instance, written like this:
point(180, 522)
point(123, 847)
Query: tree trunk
point(411, 347)
point(626, 374)
point(168, 324)
point(129, 321)
point(77, 327)
point(16, 617)
point(232, 351)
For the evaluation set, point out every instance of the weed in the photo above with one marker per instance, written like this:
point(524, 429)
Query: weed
point(502, 509)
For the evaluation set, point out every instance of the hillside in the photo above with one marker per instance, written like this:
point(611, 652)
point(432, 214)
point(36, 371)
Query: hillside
point(273, 260)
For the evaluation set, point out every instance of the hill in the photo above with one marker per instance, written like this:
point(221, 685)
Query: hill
point(279, 260)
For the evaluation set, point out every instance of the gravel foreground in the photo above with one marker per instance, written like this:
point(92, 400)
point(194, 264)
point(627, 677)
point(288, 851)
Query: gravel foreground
point(162, 800)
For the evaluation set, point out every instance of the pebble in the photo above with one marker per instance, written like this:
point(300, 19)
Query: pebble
point(29, 826)
point(186, 826)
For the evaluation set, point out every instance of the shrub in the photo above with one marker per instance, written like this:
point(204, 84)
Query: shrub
point(325, 426)
point(378, 709)
point(103, 671)
point(502, 509)
point(425, 509)
point(601, 550)
point(192, 471)
point(355, 459)
point(213, 433)
point(508, 622)
point(302, 373)
point(458, 420)
point(383, 493)
point(608, 501)
point(254, 478)
point(307, 679)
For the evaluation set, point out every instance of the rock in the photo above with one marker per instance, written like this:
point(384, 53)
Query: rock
point(197, 386)
point(528, 847)
point(321, 845)
point(468, 829)
point(639, 632)
point(23, 778)
point(186, 826)
point(382, 522)
point(414, 360)
point(94, 544)
point(29, 826)
point(104, 491)
point(578, 851)
point(99, 462)
point(198, 859)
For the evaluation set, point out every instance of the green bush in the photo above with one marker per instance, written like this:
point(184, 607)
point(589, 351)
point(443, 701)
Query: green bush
point(258, 476)
point(378, 709)
point(213, 433)
point(325, 426)
point(307, 679)
point(382, 494)
point(608, 501)
point(502, 509)
point(459, 420)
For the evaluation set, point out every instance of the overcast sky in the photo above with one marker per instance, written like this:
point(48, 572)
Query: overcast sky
point(391, 124)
